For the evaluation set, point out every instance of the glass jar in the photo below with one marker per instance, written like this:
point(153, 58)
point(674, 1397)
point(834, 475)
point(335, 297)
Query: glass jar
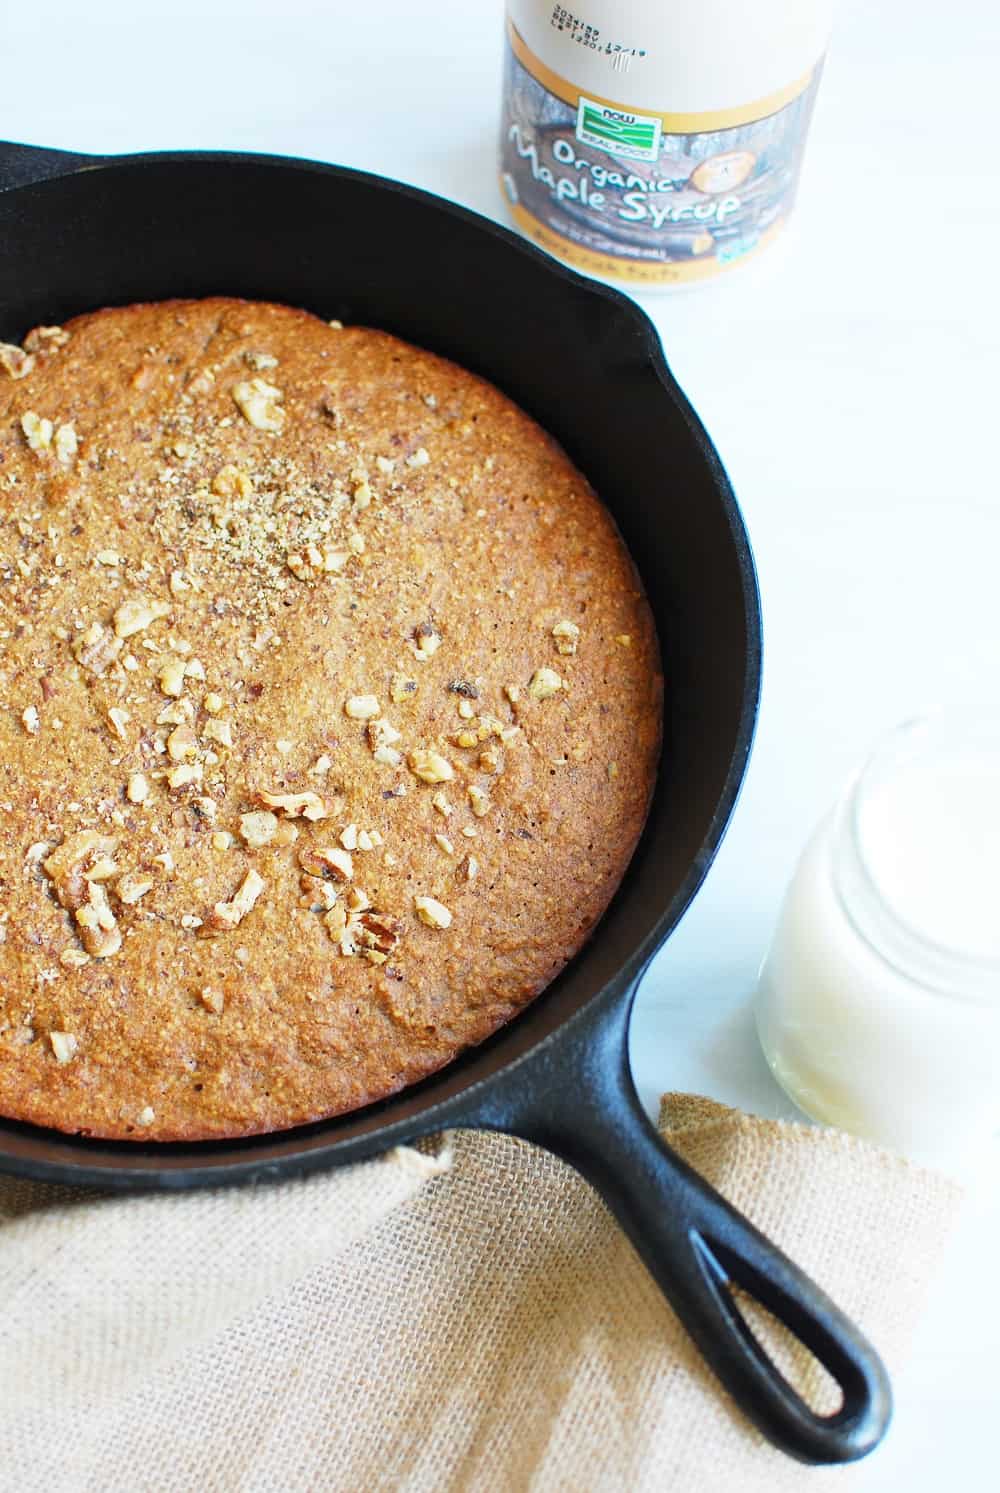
point(878, 1005)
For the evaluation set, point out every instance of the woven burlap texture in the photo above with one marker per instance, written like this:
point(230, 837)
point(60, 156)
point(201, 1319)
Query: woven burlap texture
point(466, 1317)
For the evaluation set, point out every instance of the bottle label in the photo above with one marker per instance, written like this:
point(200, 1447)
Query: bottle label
point(642, 197)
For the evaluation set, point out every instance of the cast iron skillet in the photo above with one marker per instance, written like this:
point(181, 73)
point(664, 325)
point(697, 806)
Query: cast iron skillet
point(78, 232)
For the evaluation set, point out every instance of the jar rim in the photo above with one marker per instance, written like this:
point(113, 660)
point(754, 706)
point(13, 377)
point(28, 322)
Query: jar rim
point(943, 968)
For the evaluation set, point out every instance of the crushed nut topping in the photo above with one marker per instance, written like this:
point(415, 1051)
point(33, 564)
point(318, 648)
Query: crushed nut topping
point(145, 1117)
point(110, 558)
point(432, 912)
point(544, 683)
point(418, 458)
point(37, 431)
point(220, 731)
point(232, 482)
point(46, 339)
point(14, 361)
point(471, 868)
point(388, 756)
point(213, 703)
point(64, 1046)
point(307, 805)
point(222, 840)
point(213, 1000)
point(429, 766)
point(258, 828)
point(381, 734)
point(99, 931)
point(66, 444)
point(138, 613)
point(349, 837)
point(442, 805)
point(182, 744)
point(226, 915)
point(30, 720)
point(132, 886)
point(73, 958)
point(118, 719)
point(443, 843)
point(321, 860)
point(426, 641)
point(479, 801)
point(321, 766)
point(567, 636)
point(624, 638)
point(513, 693)
point(401, 688)
point(362, 707)
point(260, 403)
point(171, 677)
point(96, 648)
point(184, 774)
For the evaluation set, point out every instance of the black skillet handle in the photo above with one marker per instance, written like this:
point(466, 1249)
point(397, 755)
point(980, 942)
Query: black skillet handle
point(20, 165)
point(696, 1246)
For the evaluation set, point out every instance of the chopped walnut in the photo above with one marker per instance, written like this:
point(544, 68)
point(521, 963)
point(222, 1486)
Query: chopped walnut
point(349, 837)
point(489, 760)
point(222, 840)
point(471, 868)
point(171, 676)
point(176, 713)
point(99, 930)
point(30, 720)
point(232, 482)
point(466, 738)
point(213, 1000)
point(96, 648)
point(182, 744)
point(401, 688)
point(429, 766)
point(388, 756)
point(68, 865)
point(258, 828)
point(426, 641)
point(307, 805)
point(381, 734)
point(260, 403)
point(180, 583)
point(466, 710)
point(377, 930)
point(111, 558)
point(432, 912)
point(385, 464)
point(228, 914)
point(362, 707)
point(624, 638)
point(479, 801)
point(66, 444)
point(220, 731)
point(118, 719)
point(513, 693)
point(14, 361)
point(362, 496)
point(145, 1117)
point(64, 1046)
point(73, 958)
point(321, 766)
point(213, 703)
point(443, 843)
point(37, 431)
point(184, 774)
point(132, 886)
point(442, 805)
point(567, 636)
point(46, 339)
point(138, 613)
point(418, 458)
point(544, 683)
point(368, 839)
point(320, 860)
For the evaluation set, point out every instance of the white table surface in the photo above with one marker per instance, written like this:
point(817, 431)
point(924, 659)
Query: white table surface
point(850, 386)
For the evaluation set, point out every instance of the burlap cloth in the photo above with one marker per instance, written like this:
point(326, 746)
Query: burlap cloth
point(468, 1317)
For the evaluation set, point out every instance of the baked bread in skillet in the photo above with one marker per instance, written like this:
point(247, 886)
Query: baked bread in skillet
point(330, 716)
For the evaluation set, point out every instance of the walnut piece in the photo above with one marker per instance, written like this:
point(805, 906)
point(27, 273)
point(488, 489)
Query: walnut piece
point(99, 931)
point(401, 688)
point(479, 801)
point(220, 731)
point(259, 828)
point(138, 613)
point(46, 339)
point(213, 1000)
point(171, 677)
point(567, 636)
point(307, 805)
point(37, 431)
point(66, 444)
point(64, 1046)
point(544, 683)
point(14, 361)
point(432, 912)
point(96, 648)
point(132, 886)
point(429, 766)
point(232, 482)
point(426, 641)
point(182, 744)
point(320, 860)
point(260, 403)
point(30, 720)
point(362, 707)
point(226, 915)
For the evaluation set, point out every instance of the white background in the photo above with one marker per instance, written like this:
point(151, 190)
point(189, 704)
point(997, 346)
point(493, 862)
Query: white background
point(850, 385)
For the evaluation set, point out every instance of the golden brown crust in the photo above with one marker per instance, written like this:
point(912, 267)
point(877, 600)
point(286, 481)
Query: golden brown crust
point(231, 537)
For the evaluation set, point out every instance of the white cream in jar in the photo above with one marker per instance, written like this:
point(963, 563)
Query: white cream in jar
point(878, 1006)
